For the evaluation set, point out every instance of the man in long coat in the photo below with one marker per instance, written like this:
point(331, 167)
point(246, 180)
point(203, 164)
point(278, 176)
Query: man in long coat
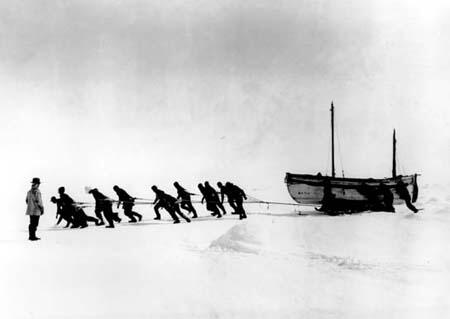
point(35, 208)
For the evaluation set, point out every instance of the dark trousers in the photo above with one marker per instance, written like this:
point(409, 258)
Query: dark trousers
point(156, 209)
point(98, 213)
point(240, 208)
point(34, 222)
point(127, 210)
point(110, 216)
point(212, 207)
point(221, 207)
point(91, 219)
point(83, 219)
point(171, 212)
point(187, 205)
point(68, 219)
point(178, 211)
point(232, 204)
point(410, 205)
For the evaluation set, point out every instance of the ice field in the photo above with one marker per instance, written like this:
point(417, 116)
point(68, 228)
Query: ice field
point(275, 264)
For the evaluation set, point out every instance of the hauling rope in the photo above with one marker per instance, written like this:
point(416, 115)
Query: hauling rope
point(73, 211)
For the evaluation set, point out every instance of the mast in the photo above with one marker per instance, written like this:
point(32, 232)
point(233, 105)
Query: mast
point(333, 173)
point(394, 164)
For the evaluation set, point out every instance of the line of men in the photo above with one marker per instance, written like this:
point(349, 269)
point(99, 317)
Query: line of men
point(74, 215)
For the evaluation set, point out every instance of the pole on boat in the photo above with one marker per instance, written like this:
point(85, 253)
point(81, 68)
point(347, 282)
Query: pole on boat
point(333, 173)
point(394, 164)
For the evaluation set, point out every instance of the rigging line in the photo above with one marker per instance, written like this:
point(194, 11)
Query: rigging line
point(339, 151)
point(254, 200)
point(250, 200)
point(399, 164)
point(328, 156)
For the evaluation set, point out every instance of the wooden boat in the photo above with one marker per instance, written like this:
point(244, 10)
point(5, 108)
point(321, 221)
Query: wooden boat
point(309, 189)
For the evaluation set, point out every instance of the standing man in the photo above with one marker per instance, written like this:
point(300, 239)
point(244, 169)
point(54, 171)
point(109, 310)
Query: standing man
point(35, 208)
point(127, 204)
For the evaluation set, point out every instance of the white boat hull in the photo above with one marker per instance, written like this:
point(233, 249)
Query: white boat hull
point(309, 189)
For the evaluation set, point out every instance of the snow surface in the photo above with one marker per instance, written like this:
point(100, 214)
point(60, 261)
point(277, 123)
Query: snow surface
point(275, 264)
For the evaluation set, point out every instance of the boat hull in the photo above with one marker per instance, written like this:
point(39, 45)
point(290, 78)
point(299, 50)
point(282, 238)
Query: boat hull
point(309, 189)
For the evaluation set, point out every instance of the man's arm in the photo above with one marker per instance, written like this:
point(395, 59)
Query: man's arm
point(242, 193)
point(156, 199)
point(39, 202)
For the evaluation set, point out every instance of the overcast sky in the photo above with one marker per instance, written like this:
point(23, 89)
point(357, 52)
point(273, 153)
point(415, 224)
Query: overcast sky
point(137, 93)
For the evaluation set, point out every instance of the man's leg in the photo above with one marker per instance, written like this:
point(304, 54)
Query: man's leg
point(240, 208)
point(59, 219)
point(411, 206)
point(232, 204)
point(172, 214)
point(110, 219)
point(178, 211)
point(215, 210)
point(98, 213)
point(220, 206)
point(127, 212)
point(91, 219)
point(192, 209)
point(34, 222)
point(156, 209)
point(139, 216)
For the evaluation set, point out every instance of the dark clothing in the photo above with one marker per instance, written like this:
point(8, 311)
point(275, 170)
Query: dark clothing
point(32, 227)
point(213, 196)
point(127, 210)
point(372, 195)
point(76, 214)
point(236, 191)
point(240, 208)
point(156, 209)
point(224, 190)
point(328, 199)
point(169, 203)
point(68, 221)
point(158, 202)
point(236, 196)
point(211, 202)
point(403, 193)
point(63, 214)
point(388, 198)
point(68, 210)
point(83, 219)
point(127, 204)
point(186, 202)
point(103, 204)
point(172, 205)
